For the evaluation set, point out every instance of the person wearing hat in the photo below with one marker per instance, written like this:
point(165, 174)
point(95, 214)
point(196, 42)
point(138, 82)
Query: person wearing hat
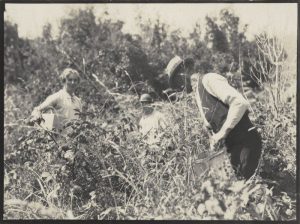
point(178, 81)
point(65, 102)
point(152, 121)
point(225, 114)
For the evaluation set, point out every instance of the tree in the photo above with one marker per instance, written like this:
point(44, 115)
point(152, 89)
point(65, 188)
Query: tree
point(267, 70)
point(47, 32)
point(214, 37)
point(12, 56)
point(230, 26)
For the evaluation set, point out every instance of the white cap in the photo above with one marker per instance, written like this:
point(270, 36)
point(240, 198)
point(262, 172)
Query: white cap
point(173, 64)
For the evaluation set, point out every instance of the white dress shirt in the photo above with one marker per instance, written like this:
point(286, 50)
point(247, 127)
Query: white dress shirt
point(151, 126)
point(65, 105)
point(219, 87)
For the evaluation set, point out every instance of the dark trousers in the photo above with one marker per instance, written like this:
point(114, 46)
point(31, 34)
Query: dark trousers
point(245, 150)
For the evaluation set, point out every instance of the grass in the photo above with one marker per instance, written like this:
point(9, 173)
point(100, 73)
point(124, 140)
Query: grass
point(115, 175)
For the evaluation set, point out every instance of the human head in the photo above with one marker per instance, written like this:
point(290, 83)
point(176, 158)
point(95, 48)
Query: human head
point(70, 78)
point(146, 101)
point(178, 66)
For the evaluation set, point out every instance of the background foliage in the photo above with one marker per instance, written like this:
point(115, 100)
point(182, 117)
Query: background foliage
point(100, 168)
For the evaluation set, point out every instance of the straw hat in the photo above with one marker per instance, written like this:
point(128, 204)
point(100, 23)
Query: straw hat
point(174, 63)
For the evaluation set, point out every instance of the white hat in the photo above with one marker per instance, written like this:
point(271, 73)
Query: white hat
point(173, 64)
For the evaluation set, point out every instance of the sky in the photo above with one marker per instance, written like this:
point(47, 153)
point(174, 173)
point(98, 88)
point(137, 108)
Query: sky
point(277, 18)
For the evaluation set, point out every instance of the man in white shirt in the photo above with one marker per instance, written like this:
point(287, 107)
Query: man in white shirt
point(65, 103)
point(225, 113)
point(152, 122)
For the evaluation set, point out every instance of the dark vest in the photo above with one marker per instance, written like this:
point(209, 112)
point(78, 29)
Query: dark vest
point(216, 111)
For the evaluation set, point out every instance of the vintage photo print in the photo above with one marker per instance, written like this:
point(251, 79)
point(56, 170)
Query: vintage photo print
point(135, 111)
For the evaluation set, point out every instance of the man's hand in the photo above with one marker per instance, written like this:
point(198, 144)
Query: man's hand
point(208, 128)
point(35, 116)
point(216, 140)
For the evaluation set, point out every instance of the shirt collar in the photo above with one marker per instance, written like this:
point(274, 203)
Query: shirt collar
point(68, 94)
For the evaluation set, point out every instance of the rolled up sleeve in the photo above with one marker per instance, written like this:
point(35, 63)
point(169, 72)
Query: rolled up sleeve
point(219, 87)
point(50, 101)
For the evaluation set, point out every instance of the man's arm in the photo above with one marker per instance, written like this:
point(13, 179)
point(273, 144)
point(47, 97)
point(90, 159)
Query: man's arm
point(50, 101)
point(219, 87)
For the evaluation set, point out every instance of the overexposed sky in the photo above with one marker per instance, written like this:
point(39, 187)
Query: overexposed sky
point(280, 17)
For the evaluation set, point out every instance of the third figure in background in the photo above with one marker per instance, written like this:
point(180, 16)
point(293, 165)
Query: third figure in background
point(153, 122)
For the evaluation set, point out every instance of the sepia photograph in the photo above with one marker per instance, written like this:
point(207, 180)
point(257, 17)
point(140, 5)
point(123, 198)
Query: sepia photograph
point(143, 111)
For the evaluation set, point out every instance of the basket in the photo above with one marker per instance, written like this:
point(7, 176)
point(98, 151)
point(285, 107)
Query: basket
point(51, 120)
point(217, 163)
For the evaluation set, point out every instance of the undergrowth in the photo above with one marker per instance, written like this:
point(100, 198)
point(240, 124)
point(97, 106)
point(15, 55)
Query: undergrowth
point(100, 168)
